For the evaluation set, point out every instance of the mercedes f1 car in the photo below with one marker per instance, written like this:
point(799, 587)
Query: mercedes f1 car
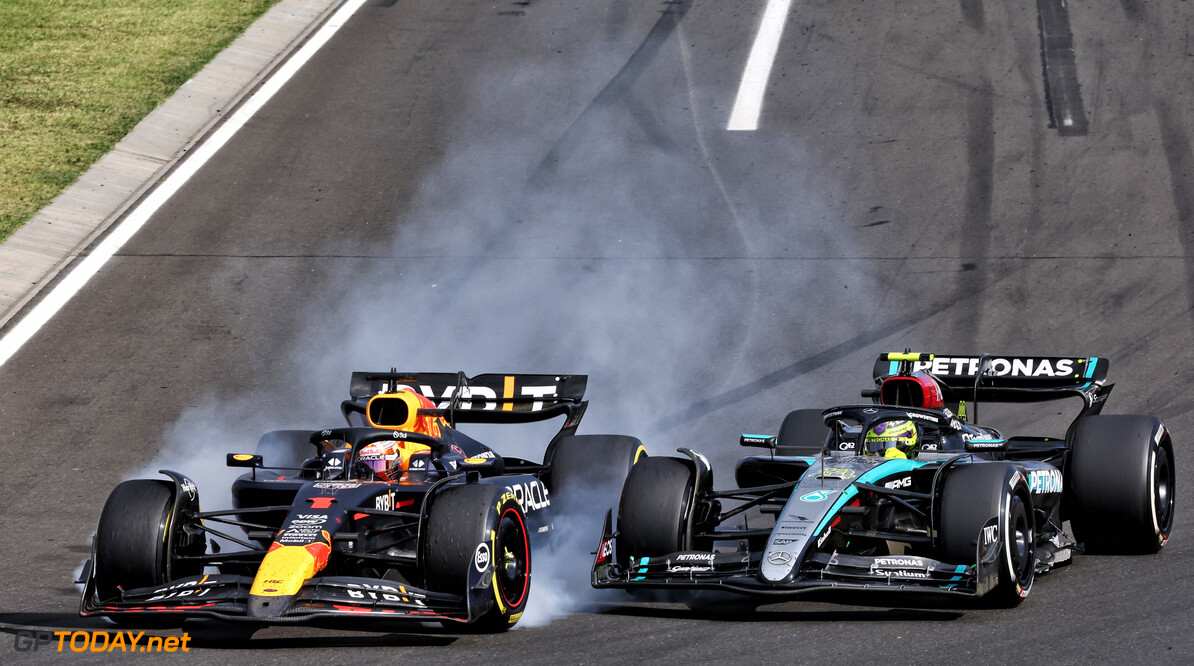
point(398, 516)
point(963, 511)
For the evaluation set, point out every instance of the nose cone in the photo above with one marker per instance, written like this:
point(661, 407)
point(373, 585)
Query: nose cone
point(284, 569)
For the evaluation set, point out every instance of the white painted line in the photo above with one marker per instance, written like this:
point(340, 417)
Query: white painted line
point(70, 285)
point(745, 115)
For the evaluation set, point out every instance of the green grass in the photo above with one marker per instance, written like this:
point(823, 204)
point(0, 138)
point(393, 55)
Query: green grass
point(77, 75)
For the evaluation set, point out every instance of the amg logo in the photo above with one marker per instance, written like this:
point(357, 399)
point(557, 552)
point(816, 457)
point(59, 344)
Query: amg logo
point(1000, 367)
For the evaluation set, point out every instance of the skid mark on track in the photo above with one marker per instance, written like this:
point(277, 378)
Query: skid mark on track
point(976, 224)
point(1060, 69)
point(1179, 157)
point(804, 366)
point(615, 90)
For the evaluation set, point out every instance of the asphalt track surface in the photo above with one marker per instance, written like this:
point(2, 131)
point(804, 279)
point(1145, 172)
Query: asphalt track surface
point(550, 187)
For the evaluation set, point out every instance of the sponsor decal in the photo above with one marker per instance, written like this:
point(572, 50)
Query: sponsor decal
point(188, 487)
point(924, 417)
point(904, 482)
point(418, 462)
point(688, 569)
point(845, 446)
point(824, 536)
point(606, 550)
point(870, 410)
point(485, 397)
point(1044, 481)
point(817, 496)
point(783, 542)
point(481, 557)
point(990, 534)
point(999, 367)
point(305, 528)
point(833, 414)
point(779, 557)
point(385, 501)
point(899, 573)
point(532, 496)
point(380, 592)
point(187, 589)
point(335, 485)
point(695, 557)
point(457, 450)
point(900, 562)
point(839, 472)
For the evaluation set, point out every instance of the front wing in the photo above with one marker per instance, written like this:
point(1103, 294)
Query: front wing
point(226, 597)
point(739, 571)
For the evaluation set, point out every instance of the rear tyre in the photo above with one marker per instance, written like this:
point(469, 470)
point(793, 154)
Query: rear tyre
point(461, 519)
point(971, 495)
point(802, 433)
point(1120, 484)
point(656, 503)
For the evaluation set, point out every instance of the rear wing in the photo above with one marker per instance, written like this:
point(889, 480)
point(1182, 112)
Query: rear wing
point(992, 378)
point(486, 398)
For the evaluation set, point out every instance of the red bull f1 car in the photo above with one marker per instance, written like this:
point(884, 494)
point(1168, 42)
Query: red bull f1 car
point(398, 516)
point(957, 509)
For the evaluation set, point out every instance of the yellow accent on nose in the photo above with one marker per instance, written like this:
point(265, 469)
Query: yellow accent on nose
point(283, 571)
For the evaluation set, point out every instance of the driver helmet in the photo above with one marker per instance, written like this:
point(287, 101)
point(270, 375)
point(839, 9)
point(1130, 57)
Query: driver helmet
point(391, 458)
point(892, 439)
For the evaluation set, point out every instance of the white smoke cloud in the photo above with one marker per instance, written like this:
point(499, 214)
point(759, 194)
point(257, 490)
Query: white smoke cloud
point(618, 256)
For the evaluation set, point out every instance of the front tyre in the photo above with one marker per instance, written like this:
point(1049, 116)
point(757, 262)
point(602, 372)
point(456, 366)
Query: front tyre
point(132, 542)
point(971, 495)
point(656, 503)
point(1120, 484)
point(462, 519)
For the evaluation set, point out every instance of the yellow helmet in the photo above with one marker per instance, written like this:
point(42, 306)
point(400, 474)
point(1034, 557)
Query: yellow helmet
point(892, 439)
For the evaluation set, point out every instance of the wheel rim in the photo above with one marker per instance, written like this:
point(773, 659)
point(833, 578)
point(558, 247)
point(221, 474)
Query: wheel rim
point(1162, 491)
point(513, 559)
point(1020, 544)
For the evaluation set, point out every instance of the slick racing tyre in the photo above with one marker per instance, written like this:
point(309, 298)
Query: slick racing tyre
point(477, 517)
point(802, 433)
point(588, 471)
point(971, 495)
point(131, 541)
point(656, 503)
point(1119, 485)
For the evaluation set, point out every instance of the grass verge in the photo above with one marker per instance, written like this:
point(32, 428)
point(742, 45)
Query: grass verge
point(77, 75)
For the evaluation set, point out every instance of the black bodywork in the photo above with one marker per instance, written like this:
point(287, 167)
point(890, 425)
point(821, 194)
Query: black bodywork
point(843, 520)
point(369, 534)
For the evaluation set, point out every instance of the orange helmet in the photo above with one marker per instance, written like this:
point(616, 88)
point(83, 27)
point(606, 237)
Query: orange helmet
point(398, 411)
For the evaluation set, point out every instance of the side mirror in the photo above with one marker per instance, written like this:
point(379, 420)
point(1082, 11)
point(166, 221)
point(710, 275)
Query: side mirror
point(759, 441)
point(244, 460)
